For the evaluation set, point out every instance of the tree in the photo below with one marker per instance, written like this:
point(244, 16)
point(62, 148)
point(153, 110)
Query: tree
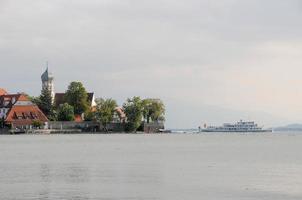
point(45, 102)
point(157, 110)
point(134, 111)
point(76, 96)
point(105, 111)
point(53, 116)
point(153, 109)
point(35, 100)
point(146, 104)
point(65, 112)
point(37, 124)
point(90, 115)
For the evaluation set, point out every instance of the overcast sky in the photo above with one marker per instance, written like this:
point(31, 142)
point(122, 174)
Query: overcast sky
point(210, 61)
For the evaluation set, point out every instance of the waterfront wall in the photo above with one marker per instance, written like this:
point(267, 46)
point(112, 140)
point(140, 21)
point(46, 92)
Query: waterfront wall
point(153, 127)
point(72, 125)
point(89, 126)
point(86, 126)
point(4, 131)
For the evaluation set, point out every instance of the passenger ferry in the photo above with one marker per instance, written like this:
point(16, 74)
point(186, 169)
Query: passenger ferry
point(241, 126)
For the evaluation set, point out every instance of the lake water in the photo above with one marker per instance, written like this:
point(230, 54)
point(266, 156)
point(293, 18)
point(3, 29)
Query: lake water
point(163, 167)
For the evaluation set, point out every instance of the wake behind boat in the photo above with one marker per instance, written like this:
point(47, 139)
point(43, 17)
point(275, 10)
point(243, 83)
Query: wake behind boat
point(241, 126)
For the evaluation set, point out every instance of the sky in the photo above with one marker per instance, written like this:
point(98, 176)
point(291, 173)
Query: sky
point(209, 61)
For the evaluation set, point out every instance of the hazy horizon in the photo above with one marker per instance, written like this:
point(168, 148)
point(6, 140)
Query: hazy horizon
point(209, 61)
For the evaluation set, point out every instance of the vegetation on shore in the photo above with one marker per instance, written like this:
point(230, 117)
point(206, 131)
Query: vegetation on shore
point(76, 96)
point(137, 110)
point(44, 102)
point(105, 109)
point(65, 112)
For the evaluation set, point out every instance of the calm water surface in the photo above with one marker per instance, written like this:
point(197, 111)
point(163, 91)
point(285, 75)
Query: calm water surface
point(133, 167)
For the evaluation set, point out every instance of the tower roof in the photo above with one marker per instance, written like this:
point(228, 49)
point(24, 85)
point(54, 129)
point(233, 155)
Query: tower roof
point(46, 76)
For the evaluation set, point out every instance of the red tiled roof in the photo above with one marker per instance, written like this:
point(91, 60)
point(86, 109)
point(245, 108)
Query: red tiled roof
point(9, 98)
point(2, 92)
point(25, 115)
point(22, 97)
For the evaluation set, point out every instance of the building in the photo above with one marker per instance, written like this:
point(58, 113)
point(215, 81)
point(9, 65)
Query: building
point(19, 112)
point(48, 83)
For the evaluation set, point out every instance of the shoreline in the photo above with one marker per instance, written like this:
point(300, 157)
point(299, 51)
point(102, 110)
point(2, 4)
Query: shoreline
point(66, 132)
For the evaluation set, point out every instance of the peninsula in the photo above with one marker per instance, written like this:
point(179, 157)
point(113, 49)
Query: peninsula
point(77, 110)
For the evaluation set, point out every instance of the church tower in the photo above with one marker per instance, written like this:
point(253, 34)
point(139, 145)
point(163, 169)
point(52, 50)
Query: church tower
point(48, 82)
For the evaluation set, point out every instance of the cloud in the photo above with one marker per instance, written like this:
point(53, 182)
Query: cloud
point(239, 56)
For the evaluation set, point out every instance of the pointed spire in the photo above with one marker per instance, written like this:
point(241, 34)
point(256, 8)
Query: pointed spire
point(45, 75)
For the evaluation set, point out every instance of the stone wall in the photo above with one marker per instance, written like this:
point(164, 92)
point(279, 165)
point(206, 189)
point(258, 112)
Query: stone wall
point(89, 126)
point(86, 126)
point(95, 127)
point(4, 131)
point(153, 127)
point(72, 125)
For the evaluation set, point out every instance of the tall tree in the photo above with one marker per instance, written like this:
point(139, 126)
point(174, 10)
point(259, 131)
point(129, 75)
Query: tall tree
point(76, 96)
point(45, 102)
point(134, 112)
point(153, 109)
point(35, 100)
point(157, 110)
point(105, 111)
point(146, 104)
point(65, 112)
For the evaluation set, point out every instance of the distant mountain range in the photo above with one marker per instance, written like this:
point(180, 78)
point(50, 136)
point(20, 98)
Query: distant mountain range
point(290, 127)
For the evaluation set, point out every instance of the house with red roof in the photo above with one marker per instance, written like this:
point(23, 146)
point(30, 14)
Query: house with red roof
point(19, 112)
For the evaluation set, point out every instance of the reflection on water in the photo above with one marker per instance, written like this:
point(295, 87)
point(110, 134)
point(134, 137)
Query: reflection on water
point(45, 173)
point(113, 167)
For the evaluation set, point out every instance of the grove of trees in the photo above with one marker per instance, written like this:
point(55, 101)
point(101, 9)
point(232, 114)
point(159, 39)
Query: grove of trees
point(143, 110)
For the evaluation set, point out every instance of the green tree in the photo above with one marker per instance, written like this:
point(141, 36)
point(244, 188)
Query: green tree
point(45, 102)
point(37, 124)
point(153, 109)
point(134, 111)
point(90, 116)
point(105, 111)
point(65, 112)
point(146, 104)
point(53, 115)
point(35, 100)
point(76, 96)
